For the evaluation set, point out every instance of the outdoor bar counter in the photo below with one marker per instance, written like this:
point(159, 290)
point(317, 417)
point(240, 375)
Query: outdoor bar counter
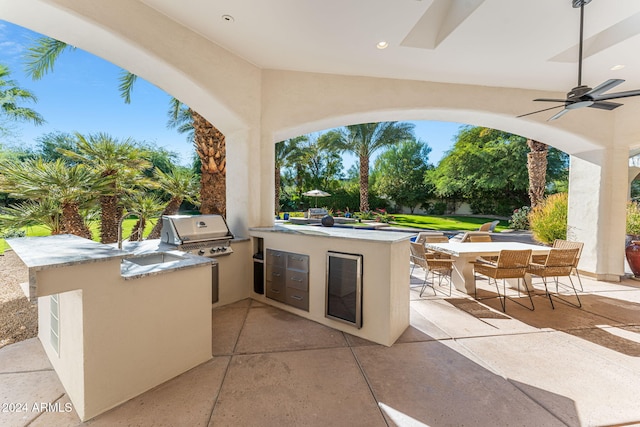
point(384, 268)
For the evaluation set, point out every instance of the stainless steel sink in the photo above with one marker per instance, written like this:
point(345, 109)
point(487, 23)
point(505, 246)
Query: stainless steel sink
point(154, 258)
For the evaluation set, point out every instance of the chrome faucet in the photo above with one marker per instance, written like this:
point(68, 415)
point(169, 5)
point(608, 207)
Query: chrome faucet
point(120, 225)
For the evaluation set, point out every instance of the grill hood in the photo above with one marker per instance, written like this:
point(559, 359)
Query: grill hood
point(180, 229)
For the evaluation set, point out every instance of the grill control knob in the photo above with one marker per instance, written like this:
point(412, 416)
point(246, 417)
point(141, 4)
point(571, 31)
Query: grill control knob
point(212, 250)
point(223, 249)
point(201, 252)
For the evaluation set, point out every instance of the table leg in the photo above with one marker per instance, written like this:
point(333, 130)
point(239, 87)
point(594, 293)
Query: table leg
point(462, 274)
point(513, 283)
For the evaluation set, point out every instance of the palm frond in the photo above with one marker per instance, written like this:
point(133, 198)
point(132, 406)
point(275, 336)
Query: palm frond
point(127, 80)
point(41, 57)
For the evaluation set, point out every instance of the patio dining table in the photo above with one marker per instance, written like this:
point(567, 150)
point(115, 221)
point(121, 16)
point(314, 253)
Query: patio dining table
point(464, 253)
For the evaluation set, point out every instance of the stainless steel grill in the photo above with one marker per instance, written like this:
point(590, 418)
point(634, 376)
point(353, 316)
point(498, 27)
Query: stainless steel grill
point(204, 235)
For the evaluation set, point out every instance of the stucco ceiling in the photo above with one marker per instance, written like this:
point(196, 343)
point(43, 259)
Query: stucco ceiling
point(529, 44)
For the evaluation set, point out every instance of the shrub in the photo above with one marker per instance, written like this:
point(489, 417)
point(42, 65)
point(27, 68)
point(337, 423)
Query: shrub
point(11, 233)
point(548, 220)
point(365, 215)
point(633, 219)
point(519, 219)
point(381, 215)
point(439, 208)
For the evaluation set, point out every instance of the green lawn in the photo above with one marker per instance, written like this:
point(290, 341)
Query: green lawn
point(463, 223)
point(127, 225)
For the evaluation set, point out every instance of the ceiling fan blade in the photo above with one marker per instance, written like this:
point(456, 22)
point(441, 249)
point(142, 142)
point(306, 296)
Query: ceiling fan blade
point(540, 111)
point(617, 95)
point(550, 100)
point(603, 105)
point(559, 114)
point(603, 87)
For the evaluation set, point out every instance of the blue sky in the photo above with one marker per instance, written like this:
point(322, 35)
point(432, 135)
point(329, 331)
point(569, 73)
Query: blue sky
point(81, 95)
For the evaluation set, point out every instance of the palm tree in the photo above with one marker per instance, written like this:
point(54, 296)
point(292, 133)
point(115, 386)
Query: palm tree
point(210, 145)
point(363, 141)
point(285, 151)
point(537, 168)
point(10, 97)
point(121, 163)
point(180, 184)
point(46, 212)
point(147, 206)
point(74, 186)
point(209, 142)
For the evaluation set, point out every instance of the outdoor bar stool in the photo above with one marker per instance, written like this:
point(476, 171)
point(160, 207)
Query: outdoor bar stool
point(511, 264)
point(559, 262)
point(430, 264)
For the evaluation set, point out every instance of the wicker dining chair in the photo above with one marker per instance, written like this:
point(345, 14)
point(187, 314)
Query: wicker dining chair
point(564, 244)
point(424, 235)
point(480, 238)
point(430, 264)
point(558, 263)
point(467, 236)
point(511, 264)
point(476, 238)
point(436, 239)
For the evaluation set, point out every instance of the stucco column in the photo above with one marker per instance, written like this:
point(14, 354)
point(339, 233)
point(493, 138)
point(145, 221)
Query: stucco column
point(598, 189)
point(244, 198)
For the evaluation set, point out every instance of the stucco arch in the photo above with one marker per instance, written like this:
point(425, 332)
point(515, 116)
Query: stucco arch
point(211, 80)
point(222, 87)
point(296, 103)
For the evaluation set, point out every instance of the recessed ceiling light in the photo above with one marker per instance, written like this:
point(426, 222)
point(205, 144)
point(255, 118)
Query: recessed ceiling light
point(227, 18)
point(617, 67)
point(382, 44)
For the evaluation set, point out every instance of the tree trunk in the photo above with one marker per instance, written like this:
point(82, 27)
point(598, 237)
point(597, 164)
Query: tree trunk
point(110, 214)
point(73, 222)
point(364, 183)
point(137, 231)
point(211, 148)
point(537, 168)
point(277, 190)
point(171, 209)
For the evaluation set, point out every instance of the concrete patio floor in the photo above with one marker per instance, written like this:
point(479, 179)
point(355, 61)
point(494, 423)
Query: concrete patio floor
point(459, 363)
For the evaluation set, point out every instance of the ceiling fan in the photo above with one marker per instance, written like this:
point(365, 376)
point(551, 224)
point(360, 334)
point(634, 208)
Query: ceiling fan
point(583, 96)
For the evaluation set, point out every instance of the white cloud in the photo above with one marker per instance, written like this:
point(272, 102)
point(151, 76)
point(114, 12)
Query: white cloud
point(10, 48)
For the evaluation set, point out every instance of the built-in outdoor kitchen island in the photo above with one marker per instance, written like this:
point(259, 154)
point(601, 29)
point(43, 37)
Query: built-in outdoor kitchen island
point(356, 281)
point(114, 327)
point(115, 323)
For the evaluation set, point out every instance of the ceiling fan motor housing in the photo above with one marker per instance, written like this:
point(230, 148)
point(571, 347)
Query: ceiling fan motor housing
point(579, 3)
point(577, 92)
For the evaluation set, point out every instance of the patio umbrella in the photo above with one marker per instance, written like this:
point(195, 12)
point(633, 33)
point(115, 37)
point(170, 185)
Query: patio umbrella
point(316, 193)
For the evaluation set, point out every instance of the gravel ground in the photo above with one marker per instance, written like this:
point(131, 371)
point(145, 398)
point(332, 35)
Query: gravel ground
point(18, 317)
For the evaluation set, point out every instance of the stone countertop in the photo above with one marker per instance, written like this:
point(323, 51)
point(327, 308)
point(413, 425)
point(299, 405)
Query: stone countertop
point(130, 270)
point(146, 246)
point(334, 232)
point(61, 250)
point(39, 253)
